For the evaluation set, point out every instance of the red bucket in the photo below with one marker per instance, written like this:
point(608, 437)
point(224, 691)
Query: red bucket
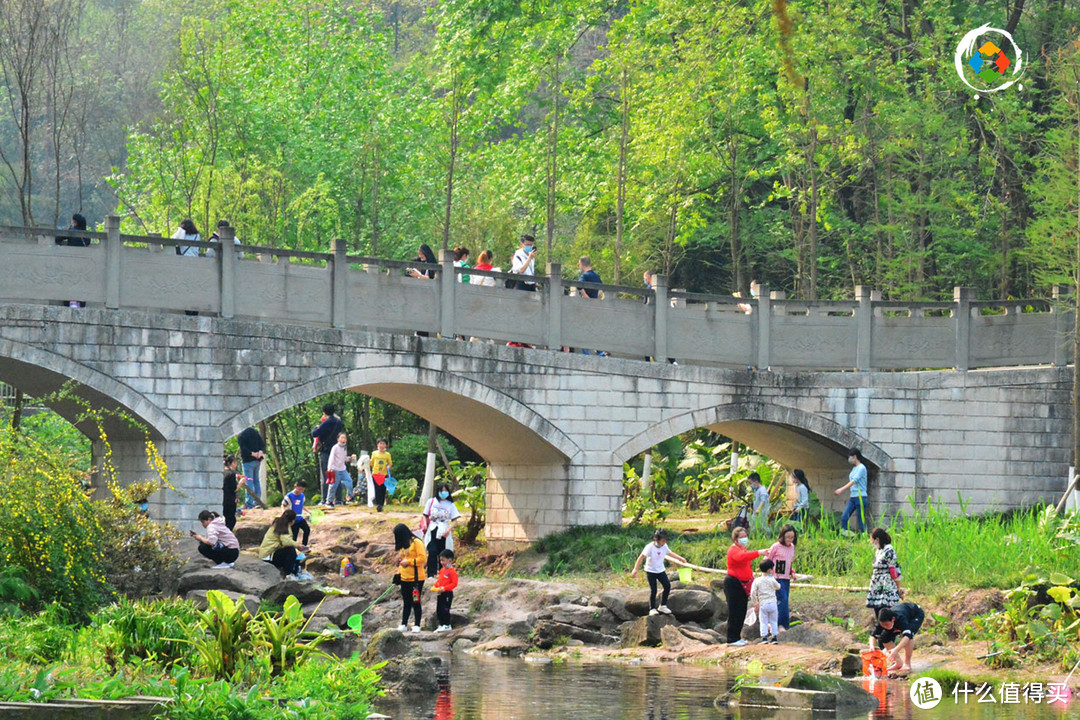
point(873, 659)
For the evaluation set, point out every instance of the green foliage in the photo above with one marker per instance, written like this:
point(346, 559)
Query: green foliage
point(148, 630)
point(470, 481)
point(410, 456)
point(41, 638)
point(222, 638)
point(282, 637)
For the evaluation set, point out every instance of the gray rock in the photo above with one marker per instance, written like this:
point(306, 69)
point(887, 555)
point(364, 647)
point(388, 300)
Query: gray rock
point(615, 602)
point(645, 631)
point(249, 534)
point(702, 635)
point(805, 634)
point(590, 617)
point(519, 629)
point(637, 603)
point(697, 605)
point(338, 609)
point(549, 633)
point(199, 598)
point(417, 678)
point(305, 592)
point(851, 665)
point(386, 645)
point(673, 638)
point(249, 578)
point(505, 646)
point(849, 697)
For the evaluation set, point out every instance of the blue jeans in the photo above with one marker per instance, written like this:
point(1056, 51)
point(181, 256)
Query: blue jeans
point(251, 470)
point(855, 506)
point(344, 484)
point(783, 618)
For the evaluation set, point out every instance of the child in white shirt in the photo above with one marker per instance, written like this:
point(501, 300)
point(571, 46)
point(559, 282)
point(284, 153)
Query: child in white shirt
point(763, 599)
point(653, 555)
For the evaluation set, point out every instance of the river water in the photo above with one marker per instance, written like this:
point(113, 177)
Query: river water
point(489, 688)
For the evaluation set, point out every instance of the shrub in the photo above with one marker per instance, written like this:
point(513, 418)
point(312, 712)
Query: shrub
point(410, 456)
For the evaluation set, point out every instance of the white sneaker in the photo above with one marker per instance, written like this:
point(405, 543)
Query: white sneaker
point(442, 628)
point(222, 566)
point(402, 628)
point(738, 643)
point(665, 609)
point(416, 628)
point(291, 577)
point(654, 611)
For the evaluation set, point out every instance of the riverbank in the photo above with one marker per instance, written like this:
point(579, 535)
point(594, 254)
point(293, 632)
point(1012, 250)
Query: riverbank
point(505, 605)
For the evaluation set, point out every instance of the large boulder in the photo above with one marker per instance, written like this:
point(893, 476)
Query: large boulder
point(849, 696)
point(675, 639)
point(637, 603)
point(692, 605)
point(305, 592)
point(199, 598)
point(411, 676)
point(589, 617)
point(549, 633)
point(505, 646)
point(248, 577)
point(615, 602)
point(338, 609)
point(250, 535)
point(645, 631)
point(386, 645)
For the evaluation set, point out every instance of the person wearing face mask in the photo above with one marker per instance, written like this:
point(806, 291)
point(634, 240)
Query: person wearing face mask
point(437, 524)
point(525, 262)
point(737, 583)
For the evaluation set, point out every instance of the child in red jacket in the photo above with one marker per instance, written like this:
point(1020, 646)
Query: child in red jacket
point(444, 586)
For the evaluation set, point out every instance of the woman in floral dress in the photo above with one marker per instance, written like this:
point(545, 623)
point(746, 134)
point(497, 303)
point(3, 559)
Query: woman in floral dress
point(885, 590)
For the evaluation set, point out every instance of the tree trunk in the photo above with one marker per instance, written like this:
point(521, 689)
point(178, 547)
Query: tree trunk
point(552, 170)
point(620, 191)
point(17, 410)
point(453, 122)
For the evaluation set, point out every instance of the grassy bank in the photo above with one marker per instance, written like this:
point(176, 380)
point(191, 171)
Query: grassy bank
point(938, 550)
point(218, 663)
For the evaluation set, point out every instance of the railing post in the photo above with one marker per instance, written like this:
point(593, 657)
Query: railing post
point(553, 339)
point(339, 271)
point(763, 315)
point(447, 286)
point(660, 309)
point(112, 262)
point(864, 325)
point(227, 267)
point(963, 297)
point(1063, 324)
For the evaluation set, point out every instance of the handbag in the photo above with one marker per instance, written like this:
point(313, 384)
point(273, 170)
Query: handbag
point(751, 618)
point(425, 520)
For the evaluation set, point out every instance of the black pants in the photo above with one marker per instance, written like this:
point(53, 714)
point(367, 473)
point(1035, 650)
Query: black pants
point(218, 553)
point(284, 559)
point(229, 513)
point(661, 578)
point(736, 607)
point(380, 495)
point(298, 525)
point(442, 607)
point(408, 604)
point(434, 547)
point(327, 490)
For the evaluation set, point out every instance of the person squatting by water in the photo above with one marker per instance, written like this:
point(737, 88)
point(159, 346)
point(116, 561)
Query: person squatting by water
point(281, 550)
point(412, 566)
point(444, 587)
point(219, 545)
point(654, 555)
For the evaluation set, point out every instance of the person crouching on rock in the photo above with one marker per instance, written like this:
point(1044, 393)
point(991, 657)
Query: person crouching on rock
point(412, 571)
point(219, 545)
point(653, 555)
point(903, 621)
point(279, 548)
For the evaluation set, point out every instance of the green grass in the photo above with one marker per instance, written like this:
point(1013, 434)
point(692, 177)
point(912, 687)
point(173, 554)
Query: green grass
point(936, 549)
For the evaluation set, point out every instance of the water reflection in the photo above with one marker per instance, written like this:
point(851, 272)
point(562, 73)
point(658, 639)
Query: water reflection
point(486, 688)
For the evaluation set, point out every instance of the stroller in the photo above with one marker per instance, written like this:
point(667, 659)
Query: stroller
point(741, 519)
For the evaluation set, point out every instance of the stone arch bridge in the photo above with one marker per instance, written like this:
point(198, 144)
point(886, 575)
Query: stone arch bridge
point(798, 382)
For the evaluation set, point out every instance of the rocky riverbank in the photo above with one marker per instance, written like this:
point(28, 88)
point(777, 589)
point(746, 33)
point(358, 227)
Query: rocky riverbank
point(595, 616)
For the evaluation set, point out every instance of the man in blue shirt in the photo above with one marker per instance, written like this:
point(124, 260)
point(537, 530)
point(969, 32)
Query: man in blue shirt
point(295, 501)
point(588, 275)
point(252, 452)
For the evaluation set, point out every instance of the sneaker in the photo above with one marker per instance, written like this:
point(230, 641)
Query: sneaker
point(654, 611)
point(738, 643)
point(402, 628)
point(774, 640)
point(416, 628)
point(378, 509)
point(222, 566)
point(304, 576)
point(291, 578)
point(665, 609)
point(442, 628)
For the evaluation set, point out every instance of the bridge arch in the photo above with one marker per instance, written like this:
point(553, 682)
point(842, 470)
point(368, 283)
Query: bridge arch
point(38, 372)
point(792, 437)
point(495, 425)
